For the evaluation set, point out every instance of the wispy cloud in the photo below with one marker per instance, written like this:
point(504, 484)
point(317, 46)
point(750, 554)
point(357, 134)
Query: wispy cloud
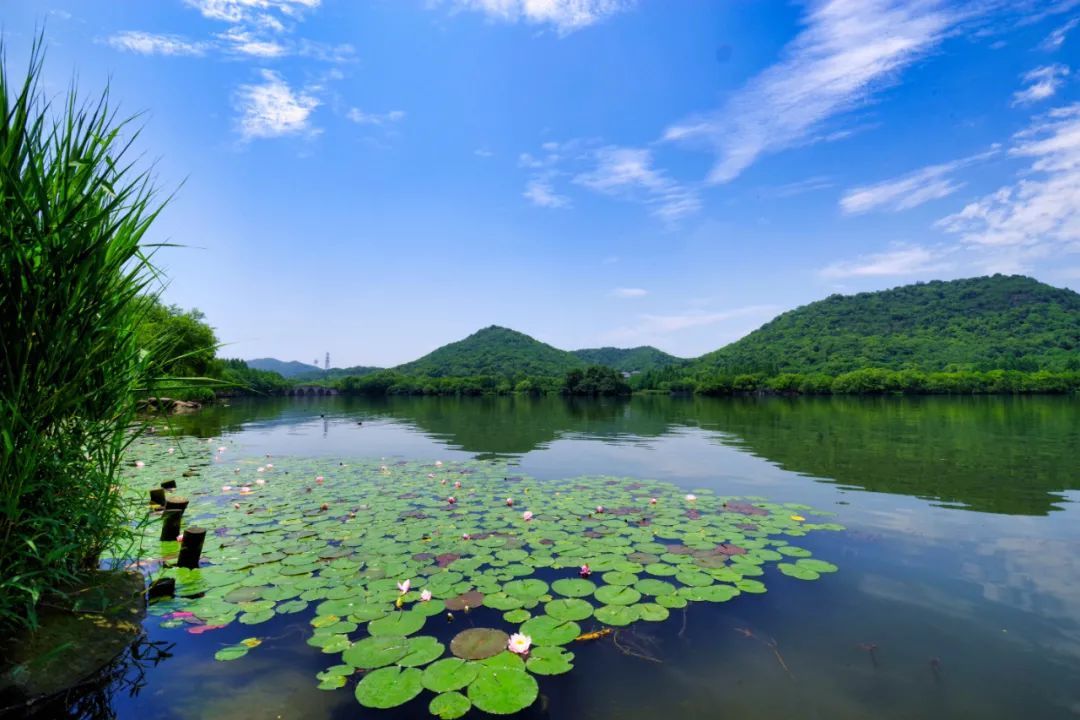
point(540, 192)
point(245, 42)
point(914, 260)
point(1042, 83)
point(1041, 211)
point(1057, 37)
point(482, 152)
point(565, 15)
point(911, 190)
point(629, 293)
point(650, 327)
point(363, 118)
point(799, 187)
point(146, 43)
point(272, 108)
point(629, 173)
point(257, 11)
point(847, 50)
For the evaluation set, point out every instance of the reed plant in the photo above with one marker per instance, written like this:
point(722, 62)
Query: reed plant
point(74, 211)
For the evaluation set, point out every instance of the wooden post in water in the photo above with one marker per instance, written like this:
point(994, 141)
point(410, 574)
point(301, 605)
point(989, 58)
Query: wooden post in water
point(176, 502)
point(170, 523)
point(168, 484)
point(157, 496)
point(191, 547)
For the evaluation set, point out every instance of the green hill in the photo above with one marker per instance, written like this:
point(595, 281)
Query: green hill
point(643, 358)
point(999, 322)
point(495, 351)
point(282, 367)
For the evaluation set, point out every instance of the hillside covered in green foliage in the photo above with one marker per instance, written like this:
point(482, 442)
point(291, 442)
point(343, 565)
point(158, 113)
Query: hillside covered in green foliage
point(987, 323)
point(640, 359)
point(494, 351)
point(285, 368)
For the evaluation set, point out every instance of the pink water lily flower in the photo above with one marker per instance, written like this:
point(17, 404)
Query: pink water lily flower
point(519, 644)
point(404, 586)
point(319, 479)
point(245, 489)
point(425, 595)
point(438, 463)
point(466, 536)
point(585, 571)
point(221, 449)
point(457, 484)
point(527, 516)
point(171, 450)
point(600, 509)
point(226, 488)
point(260, 481)
point(451, 499)
point(180, 537)
point(139, 463)
point(269, 466)
point(509, 502)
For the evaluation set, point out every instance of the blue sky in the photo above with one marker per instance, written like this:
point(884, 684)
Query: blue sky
point(375, 179)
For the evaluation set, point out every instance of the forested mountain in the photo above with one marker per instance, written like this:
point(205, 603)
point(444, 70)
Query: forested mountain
point(643, 358)
point(282, 367)
point(999, 322)
point(494, 351)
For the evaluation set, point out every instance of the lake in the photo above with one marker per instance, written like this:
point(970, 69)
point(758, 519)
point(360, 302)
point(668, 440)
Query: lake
point(957, 595)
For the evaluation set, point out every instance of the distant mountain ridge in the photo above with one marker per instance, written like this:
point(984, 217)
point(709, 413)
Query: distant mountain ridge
point(285, 368)
point(986, 323)
point(637, 359)
point(496, 351)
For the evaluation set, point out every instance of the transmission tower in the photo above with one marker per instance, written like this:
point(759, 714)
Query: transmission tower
point(327, 362)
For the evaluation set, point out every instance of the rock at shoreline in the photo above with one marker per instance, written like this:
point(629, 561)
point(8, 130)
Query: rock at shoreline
point(169, 405)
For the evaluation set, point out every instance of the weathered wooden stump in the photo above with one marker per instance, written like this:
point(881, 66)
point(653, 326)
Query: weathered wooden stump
point(157, 496)
point(162, 587)
point(168, 484)
point(170, 524)
point(176, 502)
point(191, 547)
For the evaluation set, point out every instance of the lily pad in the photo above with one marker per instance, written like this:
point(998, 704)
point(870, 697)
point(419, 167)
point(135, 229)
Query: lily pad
point(471, 599)
point(569, 609)
point(574, 587)
point(617, 595)
point(397, 624)
point(449, 705)
point(503, 691)
point(546, 630)
point(388, 687)
point(422, 650)
point(479, 643)
point(375, 652)
point(448, 674)
point(618, 615)
point(550, 661)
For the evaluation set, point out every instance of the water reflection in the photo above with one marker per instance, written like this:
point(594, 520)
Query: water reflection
point(1001, 455)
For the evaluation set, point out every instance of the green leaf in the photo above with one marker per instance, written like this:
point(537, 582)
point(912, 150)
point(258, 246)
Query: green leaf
point(546, 630)
point(574, 587)
point(422, 650)
point(397, 624)
point(388, 687)
point(449, 705)
point(375, 652)
point(503, 691)
point(448, 674)
point(569, 609)
point(479, 643)
point(549, 661)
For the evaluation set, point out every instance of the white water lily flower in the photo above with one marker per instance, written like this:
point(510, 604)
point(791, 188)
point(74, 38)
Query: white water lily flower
point(519, 643)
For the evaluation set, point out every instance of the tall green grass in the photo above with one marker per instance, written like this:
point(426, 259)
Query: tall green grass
point(74, 210)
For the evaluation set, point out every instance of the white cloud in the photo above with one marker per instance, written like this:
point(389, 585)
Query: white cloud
point(848, 50)
point(155, 44)
point(1041, 211)
point(911, 190)
point(362, 118)
point(799, 187)
point(902, 261)
point(244, 42)
point(482, 152)
point(1056, 38)
point(628, 173)
point(541, 193)
point(251, 10)
point(650, 327)
point(566, 15)
point(629, 293)
point(1042, 83)
point(272, 108)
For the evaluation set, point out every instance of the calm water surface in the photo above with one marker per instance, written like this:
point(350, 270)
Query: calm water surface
point(960, 567)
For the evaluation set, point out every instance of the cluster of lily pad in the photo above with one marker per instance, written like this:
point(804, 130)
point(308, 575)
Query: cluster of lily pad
point(375, 553)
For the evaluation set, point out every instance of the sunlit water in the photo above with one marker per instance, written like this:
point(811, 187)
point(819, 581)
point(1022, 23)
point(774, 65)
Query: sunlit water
point(958, 594)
